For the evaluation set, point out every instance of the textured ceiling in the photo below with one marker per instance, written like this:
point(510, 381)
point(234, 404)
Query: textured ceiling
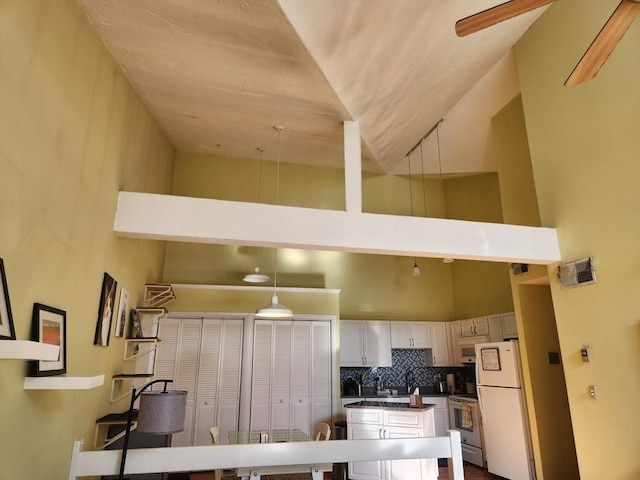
point(219, 74)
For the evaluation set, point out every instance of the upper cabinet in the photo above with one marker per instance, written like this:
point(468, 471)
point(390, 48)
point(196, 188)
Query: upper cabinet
point(410, 335)
point(365, 343)
point(509, 328)
point(475, 327)
point(440, 341)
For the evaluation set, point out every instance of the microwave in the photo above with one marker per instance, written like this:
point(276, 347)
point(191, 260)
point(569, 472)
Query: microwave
point(467, 348)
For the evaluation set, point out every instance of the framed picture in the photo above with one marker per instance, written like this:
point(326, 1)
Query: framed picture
point(105, 310)
point(123, 308)
point(49, 325)
point(136, 326)
point(7, 330)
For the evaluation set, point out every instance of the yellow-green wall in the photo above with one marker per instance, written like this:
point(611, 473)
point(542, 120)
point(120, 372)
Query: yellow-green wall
point(585, 153)
point(72, 134)
point(551, 432)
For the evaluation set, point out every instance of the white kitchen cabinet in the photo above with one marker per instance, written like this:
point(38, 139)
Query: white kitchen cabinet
point(495, 328)
point(376, 423)
point(291, 380)
point(365, 343)
point(440, 344)
point(203, 357)
point(440, 414)
point(509, 327)
point(410, 335)
point(474, 327)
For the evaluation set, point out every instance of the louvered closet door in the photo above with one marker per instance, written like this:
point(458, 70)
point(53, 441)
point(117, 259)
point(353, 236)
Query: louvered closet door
point(321, 372)
point(281, 375)
point(230, 372)
point(261, 375)
point(165, 361)
point(207, 383)
point(301, 376)
point(186, 375)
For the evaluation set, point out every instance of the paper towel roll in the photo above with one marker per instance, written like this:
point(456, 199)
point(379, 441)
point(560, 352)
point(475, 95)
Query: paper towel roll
point(451, 383)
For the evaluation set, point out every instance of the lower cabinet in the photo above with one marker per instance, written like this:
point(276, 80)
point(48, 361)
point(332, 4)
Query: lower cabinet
point(376, 423)
point(440, 414)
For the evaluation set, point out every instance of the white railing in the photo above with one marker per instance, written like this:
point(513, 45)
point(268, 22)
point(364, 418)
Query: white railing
point(206, 458)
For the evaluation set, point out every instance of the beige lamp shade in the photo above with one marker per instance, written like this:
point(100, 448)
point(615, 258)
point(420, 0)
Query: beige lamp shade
point(162, 412)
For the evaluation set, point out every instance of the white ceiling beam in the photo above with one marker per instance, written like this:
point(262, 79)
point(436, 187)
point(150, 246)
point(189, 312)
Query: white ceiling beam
point(200, 220)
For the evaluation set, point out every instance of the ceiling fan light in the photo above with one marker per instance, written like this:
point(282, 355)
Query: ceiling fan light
point(275, 310)
point(256, 277)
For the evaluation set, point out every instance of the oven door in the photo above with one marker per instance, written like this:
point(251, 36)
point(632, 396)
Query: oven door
point(469, 428)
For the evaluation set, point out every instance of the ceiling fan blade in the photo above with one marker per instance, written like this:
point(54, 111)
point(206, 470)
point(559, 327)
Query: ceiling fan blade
point(496, 14)
point(604, 43)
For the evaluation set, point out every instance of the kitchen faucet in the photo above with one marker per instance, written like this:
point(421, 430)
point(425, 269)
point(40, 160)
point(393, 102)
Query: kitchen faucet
point(411, 380)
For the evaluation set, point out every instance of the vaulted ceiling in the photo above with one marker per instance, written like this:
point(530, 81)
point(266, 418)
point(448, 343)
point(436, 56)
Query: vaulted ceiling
point(219, 74)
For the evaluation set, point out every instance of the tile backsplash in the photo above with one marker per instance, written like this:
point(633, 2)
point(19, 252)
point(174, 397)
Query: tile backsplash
point(403, 360)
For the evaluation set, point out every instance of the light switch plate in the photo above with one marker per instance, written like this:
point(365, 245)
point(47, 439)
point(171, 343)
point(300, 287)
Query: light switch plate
point(585, 354)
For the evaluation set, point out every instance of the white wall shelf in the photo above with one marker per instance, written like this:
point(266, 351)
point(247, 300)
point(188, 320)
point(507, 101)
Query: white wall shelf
point(28, 350)
point(118, 389)
point(63, 383)
point(130, 343)
point(158, 295)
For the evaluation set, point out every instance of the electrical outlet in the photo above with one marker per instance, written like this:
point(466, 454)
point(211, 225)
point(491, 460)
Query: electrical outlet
point(585, 354)
point(593, 393)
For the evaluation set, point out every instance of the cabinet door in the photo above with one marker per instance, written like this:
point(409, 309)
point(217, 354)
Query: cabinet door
point(261, 375)
point(495, 328)
point(401, 334)
point(467, 328)
point(410, 469)
point(509, 328)
point(207, 381)
point(351, 344)
point(320, 373)
point(440, 344)
point(378, 344)
point(374, 470)
point(281, 375)
point(227, 414)
point(421, 335)
point(481, 326)
point(300, 375)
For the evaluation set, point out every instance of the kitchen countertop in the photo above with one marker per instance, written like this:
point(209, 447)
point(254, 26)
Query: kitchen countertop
point(388, 406)
point(400, 395)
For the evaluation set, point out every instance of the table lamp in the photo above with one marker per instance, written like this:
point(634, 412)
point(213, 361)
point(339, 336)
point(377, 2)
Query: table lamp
point(161, 413)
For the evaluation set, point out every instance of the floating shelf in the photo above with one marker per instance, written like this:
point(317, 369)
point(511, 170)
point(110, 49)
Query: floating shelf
point(101, 439)
point(117, 384)
point(130, 343)
point(28, 350)
point(63, 383)
point(158, 295)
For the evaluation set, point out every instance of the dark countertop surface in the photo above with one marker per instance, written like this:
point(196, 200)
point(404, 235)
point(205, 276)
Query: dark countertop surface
point(400, 395)
point(388, 405)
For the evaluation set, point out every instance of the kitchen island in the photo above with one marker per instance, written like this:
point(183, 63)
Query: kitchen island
point(380, 420)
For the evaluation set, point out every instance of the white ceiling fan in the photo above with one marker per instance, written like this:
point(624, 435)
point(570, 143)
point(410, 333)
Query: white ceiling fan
point(597, 53)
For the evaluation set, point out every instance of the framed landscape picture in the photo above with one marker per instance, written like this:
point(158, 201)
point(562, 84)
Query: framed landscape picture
point(105, 310)
point(7, 330)
point(49, 325)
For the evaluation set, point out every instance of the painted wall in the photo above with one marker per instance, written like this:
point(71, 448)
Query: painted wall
point(73, 133)
point(480, 288)
point(548, 406)
point(585, 153)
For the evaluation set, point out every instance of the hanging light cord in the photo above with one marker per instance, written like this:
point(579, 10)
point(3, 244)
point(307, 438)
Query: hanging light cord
point(410, 184)
point(260, 149)
point(275, 250)
point(424, 192)
point(444, 202)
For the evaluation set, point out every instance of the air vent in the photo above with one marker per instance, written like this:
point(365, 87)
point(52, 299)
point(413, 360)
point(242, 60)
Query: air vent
point(580, 272)
point(520, 268)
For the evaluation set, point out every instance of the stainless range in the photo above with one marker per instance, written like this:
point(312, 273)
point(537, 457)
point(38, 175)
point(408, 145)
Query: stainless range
point(465, 418)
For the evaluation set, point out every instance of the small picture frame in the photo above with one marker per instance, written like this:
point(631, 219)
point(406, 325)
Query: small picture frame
point(490, 358)
point(105, 311)
point(123, 309)
point(7, 329)
point(49, 325)
point(135, 330)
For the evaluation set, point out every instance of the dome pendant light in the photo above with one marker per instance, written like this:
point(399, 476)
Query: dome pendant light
point(256, 276)
point(275, 310)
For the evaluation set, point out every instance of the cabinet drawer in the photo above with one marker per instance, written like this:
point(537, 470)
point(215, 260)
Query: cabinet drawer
point(402, 419)
point(364, 415)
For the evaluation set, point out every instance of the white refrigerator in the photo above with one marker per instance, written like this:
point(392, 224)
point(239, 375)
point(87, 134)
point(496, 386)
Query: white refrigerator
point(507, 439)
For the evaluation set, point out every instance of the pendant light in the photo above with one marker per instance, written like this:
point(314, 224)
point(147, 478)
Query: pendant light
point(415, 271)
point(444, 203)
point(275, 310)
point(256, 276)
